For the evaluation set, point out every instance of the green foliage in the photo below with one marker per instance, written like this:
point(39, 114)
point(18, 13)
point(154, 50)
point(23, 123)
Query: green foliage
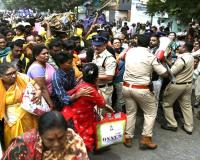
point(43, 5)
point(99, 3)
point(185, 10)
point(154, 6)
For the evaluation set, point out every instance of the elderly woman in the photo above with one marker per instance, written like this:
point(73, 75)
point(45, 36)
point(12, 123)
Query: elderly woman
point(12, 85)
point(42, 72)
point(52, 141)
point(81, 111)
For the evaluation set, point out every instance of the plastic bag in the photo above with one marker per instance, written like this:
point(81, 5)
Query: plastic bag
point(29, 106)
point(110, 130)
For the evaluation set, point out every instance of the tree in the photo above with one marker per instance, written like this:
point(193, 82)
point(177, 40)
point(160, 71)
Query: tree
point(185, 10)
point(43, 5)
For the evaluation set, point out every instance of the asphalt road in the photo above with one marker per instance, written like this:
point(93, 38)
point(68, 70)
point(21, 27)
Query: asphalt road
point(171, 146)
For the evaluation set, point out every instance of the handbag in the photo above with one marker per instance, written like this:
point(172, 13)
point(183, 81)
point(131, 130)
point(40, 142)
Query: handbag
point(29, 106)
point(110, 130)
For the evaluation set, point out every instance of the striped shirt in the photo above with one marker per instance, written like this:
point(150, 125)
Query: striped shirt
point(62, 82)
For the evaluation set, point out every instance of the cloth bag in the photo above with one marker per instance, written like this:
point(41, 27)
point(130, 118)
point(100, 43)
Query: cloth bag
point(110, 130)
point(29, 106)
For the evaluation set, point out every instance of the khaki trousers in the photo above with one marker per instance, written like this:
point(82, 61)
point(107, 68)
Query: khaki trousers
point(147, 102)
point(182, 93)
point(107, 92)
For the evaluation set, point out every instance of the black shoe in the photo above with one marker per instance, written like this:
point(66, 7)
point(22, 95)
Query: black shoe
point(183, 128)
point(166, 127)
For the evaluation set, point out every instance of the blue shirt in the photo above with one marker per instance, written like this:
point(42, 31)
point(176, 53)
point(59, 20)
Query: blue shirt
point(62, 82)
point(119, 71)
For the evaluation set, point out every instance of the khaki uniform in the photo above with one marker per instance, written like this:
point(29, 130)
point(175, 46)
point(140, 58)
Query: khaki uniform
point(107, 65)
point(139, 65)
point(181, 91)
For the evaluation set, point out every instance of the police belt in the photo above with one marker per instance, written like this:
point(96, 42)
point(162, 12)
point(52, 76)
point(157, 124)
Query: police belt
point(104, 85)
point(182, 83)
point(126, 84)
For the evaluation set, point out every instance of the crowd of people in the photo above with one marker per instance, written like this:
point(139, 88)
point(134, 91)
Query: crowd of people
point(80, 71)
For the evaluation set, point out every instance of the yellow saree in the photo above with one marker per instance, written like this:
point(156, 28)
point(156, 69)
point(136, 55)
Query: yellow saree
point(17, 120)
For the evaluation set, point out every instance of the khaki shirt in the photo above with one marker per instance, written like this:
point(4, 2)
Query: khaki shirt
point(183, 68)
point(139, 65)
point(106, 64)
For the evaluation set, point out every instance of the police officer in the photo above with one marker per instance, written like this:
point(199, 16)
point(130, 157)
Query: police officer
point(180, 91)
point(106, 64)
point(139, 65)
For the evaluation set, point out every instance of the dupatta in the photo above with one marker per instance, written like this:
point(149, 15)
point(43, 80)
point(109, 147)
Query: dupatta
point(20, 82)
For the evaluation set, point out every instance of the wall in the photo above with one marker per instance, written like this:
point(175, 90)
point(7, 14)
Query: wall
point(125, 5)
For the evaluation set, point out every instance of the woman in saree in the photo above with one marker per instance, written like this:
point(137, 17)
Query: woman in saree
point(12, 85)
point(81, 111)
point(42, 72)
point(53, 140)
